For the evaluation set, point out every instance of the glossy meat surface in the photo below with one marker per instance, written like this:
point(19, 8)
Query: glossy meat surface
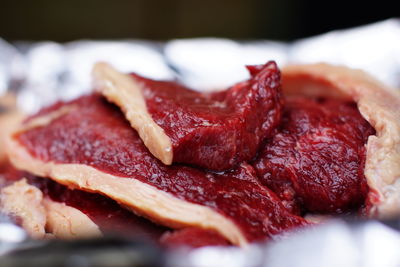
point(110, 217)
point(95, 133)
point(315, 161)
point(218, 130)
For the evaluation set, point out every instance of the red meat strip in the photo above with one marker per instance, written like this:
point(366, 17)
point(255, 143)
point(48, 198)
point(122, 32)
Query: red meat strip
point(110, 217)
point(94, 133)
point(216, 131)
point(315, 161)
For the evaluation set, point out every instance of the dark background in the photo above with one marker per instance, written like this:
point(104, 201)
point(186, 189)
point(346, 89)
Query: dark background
point(65, 20)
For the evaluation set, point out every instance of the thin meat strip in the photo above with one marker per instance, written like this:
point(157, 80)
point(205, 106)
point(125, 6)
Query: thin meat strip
point(45, 209)
point(315, 162)
point(215, 131)
point(90, 146)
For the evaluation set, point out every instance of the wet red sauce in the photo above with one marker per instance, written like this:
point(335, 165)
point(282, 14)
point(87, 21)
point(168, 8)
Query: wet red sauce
point(219, 130)
point(193, 237)
point(315, 161)
point(96, 134)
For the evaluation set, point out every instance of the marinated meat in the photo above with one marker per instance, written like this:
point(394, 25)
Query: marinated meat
point(110, 217)
point(379, 105)
point(216, 131)
point(93, 148)
point(57, 212)
point(319, 160)
point(315, 162)
point(66, 222)
point(40, 216)
point(58, 205)
point(193, 238)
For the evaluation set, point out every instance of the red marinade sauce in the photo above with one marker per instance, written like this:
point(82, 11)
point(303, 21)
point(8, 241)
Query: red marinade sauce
point(217, 131)
point(315, 162)
point(110, 217)
point(193, 238)
point(96, 134)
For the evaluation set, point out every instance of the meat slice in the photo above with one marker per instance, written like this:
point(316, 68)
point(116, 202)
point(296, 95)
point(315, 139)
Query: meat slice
point(215, 130)
point(93, 148)
point(379, 105)
point(39, 215)
point(315, 162)
point(55, 210)
point(42, 217)
point(109, 217)
point(44, 207)
point(67, 222)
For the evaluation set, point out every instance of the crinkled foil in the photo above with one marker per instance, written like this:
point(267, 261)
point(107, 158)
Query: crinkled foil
point(41, 73)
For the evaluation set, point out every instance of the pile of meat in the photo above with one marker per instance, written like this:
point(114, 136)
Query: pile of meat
point(141, 157)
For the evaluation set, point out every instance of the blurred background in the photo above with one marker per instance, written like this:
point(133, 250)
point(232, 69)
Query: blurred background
point(66, 20)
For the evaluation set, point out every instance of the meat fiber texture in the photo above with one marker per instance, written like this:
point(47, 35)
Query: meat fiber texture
point(108, 157)
point(46, 209)
point(315, 161)
point(215, 131)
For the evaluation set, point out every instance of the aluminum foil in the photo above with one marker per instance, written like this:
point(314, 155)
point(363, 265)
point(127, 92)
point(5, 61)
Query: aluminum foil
point(44, 72)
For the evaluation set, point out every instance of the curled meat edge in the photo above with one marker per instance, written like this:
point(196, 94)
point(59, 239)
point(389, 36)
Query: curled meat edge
point(379, 105)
